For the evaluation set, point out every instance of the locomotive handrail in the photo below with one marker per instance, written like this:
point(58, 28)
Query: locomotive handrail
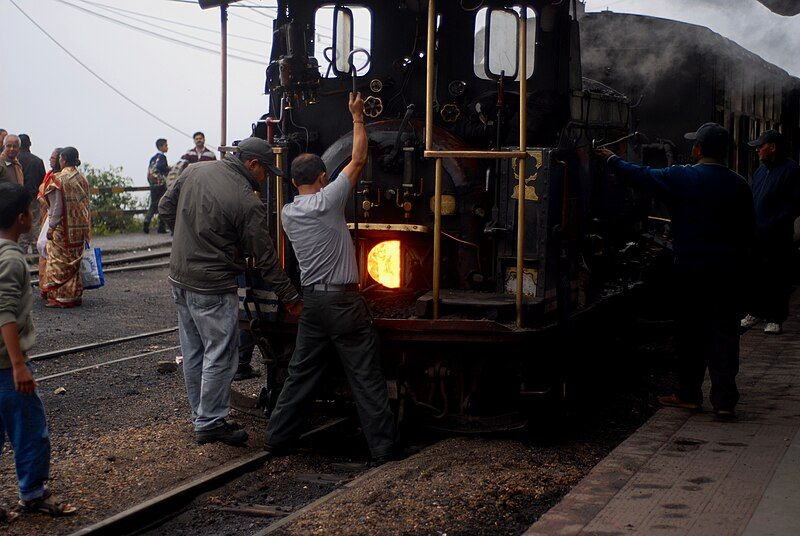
point(520, 155)
point(476, 154)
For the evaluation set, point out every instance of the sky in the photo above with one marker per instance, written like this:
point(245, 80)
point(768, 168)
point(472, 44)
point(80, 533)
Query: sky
point(48, 95)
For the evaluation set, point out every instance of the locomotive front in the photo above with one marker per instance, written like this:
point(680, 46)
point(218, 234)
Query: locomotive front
point(467, 267)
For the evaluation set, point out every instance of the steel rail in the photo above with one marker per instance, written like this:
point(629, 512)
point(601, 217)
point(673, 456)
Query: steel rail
point(123, 260)
point(156, 511)
point(100, 344)
point(104, 363)
point(132, 268)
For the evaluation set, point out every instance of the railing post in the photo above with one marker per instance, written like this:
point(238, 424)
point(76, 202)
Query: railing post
point(429, 66)
point(279, 240)
point(223, 17)
point(522, 69)
point(437, 238)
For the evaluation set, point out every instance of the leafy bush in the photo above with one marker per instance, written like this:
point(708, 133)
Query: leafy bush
point(108, 201)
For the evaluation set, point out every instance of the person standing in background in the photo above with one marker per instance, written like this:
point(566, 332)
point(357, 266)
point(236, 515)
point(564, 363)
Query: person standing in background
point(776, 194)
point(33, 173)
point(44, 206)
point(198, 153)
point(157, 171)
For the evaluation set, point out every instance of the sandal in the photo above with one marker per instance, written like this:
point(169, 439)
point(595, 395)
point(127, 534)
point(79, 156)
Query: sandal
point(47, 504)
point(7, 517)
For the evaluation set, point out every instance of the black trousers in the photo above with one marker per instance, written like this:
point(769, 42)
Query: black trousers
point(707, 335)
point(343, 320)
point(156, 193)
point(247, 345)
point(772, 285)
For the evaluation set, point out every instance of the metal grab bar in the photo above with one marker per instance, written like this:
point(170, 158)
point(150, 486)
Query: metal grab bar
point(521, 155)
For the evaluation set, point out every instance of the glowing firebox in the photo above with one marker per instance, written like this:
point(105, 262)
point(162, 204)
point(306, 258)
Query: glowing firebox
point(383, 263)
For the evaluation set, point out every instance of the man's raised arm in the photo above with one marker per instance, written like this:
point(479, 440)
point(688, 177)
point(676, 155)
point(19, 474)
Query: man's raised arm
point(360, 140)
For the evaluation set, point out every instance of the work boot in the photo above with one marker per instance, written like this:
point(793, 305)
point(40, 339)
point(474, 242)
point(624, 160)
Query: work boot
point(749, 321)
point(224, 434)
point(773, 328)
point(245, 371)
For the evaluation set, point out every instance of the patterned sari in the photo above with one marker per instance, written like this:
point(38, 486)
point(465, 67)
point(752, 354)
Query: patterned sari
point(44, 208)
point(65, 250)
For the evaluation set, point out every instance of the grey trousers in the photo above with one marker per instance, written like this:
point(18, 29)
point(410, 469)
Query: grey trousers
point(209, 333)
point(342, 319)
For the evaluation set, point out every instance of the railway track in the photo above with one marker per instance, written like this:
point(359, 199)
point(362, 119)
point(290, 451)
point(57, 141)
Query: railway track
point(125, 264)
point(157, 511)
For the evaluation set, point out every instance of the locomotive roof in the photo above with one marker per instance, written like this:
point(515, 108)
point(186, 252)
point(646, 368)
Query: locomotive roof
point(654, 33)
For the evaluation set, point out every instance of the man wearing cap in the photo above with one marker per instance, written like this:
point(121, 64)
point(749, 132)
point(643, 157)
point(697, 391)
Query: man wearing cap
point(776, 195)
point(713, 227)
point(218, 222)
point(334, 313)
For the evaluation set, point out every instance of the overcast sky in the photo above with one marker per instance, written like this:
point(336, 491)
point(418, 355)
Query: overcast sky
point(45, 93)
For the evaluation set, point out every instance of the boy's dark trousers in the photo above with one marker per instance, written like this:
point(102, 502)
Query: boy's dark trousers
point(156, 193)
point(22, 419)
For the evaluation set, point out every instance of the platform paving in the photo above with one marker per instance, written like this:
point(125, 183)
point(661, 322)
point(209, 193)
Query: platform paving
point(687, 473)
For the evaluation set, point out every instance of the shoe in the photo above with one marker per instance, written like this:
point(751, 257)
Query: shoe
point(146, 228)
point(276, 452)
point(749, 321)
point(162, 231)
point(394, 455)
point(725, 414)
point(773, 328)
point(673, 401)
point(245, 371)
point(224, 434)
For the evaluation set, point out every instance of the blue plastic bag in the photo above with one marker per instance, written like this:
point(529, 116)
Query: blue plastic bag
point(92, 268)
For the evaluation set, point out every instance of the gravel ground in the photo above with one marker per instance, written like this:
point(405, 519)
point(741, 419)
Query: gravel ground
point(107, 455)
point(104, 455)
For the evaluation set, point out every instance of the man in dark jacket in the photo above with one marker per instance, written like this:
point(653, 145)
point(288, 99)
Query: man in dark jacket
point(218, 222)
point(713, 226)
point(776, 195)
point(32, 167)
point(157, 171)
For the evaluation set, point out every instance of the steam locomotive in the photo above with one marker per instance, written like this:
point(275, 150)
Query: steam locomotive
point(489, 243)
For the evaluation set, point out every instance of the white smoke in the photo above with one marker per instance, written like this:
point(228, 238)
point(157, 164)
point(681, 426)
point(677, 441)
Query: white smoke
point(746, 22)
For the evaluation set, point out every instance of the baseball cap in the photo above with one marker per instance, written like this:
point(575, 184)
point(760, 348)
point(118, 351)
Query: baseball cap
point(259, 149)
point(710, 135)
point(768, 136)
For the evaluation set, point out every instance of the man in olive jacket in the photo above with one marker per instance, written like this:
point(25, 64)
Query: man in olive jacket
point(218, 221)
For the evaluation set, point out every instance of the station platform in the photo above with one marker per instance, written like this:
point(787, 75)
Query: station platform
point(687, 473)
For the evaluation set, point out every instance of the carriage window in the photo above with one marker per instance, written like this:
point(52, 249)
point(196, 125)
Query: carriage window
point(352, 20)
point(503, 45)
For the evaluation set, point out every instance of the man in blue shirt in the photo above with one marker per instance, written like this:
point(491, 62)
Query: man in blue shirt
point(776, 195)
point(713, 226)
point(334, 313)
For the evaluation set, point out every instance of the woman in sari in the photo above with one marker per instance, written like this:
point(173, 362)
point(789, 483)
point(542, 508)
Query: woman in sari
point(41, 244)
point(69, 228)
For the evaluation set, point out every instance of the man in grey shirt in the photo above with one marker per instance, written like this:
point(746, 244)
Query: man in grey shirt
point(333, 310)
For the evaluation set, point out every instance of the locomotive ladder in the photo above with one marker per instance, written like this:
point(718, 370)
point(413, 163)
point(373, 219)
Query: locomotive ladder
point(520, 155)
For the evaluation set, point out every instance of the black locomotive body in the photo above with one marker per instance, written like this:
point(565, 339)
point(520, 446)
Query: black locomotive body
point(446, 313)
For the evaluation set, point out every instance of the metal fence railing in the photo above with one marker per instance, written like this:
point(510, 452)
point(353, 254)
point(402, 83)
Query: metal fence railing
point(118, 190)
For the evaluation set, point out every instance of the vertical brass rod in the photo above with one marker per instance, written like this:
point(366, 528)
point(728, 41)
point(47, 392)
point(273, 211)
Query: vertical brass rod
point(437, 238)
point(223, 19)
point(279, 242)
point(430, 75)
point(522, 69)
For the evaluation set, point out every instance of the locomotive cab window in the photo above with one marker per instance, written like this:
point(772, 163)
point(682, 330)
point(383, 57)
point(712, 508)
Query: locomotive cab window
point(337, 32)
point(497, 42)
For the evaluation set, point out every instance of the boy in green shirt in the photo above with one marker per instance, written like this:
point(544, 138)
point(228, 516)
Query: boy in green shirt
point(22, 416)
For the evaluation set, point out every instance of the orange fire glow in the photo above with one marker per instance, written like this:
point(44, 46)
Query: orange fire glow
point(383, 263)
